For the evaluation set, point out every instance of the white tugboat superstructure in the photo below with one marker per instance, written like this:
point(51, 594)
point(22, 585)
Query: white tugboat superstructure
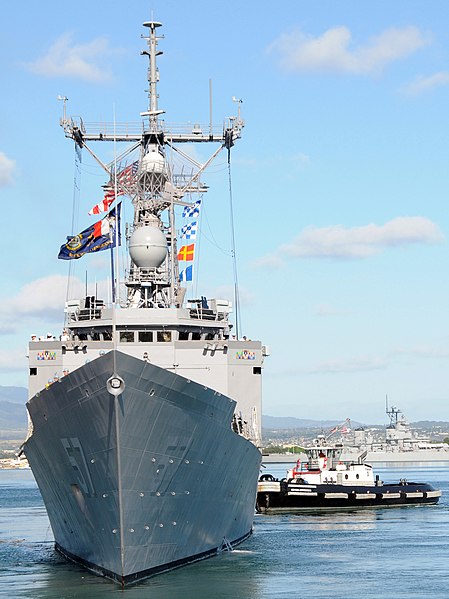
point(139, 405)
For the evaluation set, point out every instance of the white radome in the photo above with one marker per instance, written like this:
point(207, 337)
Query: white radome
point(148, 247)
point(152, 162)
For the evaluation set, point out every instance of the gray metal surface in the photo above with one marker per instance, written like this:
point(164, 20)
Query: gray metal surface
point(164, 481)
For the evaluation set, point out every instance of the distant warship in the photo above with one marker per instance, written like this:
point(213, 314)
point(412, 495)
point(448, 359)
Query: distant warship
point(145, 414)
point(400, 444)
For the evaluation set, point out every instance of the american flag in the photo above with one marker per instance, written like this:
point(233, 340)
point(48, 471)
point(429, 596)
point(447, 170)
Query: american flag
point(126, 175)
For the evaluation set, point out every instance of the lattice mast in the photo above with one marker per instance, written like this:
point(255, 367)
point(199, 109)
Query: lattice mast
point(153, 278)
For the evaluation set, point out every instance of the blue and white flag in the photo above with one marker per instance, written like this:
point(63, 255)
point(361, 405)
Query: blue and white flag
point(193, 210)
point(189, 231)
point(186, 274)
point(99, 236)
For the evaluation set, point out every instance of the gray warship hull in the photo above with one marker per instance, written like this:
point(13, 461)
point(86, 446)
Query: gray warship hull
point(145, 481)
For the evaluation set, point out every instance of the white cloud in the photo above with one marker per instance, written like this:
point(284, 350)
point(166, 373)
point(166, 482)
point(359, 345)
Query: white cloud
point(7, 167)
point(337, 241)
point(341, 243)
point(42, 296)
point(331, 51)
point(424, 351)
point(68, 59)
point(423, 84)
point(43, 300)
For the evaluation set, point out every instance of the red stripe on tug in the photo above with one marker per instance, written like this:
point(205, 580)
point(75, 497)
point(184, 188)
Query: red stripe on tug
point(303, 468)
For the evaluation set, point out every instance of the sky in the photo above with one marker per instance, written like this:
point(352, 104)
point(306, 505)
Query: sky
point(340, 183)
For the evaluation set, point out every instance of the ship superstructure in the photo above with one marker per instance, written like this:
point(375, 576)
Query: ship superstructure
point(145, 414)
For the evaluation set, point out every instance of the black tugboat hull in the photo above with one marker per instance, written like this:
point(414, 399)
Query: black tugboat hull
point(282, 496)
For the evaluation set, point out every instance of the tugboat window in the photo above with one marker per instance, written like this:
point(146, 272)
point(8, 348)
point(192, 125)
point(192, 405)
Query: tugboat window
point(33, 371)
point(164, 336)
point(145, 336)
point(126, 336)
point(196, 336)
point(183, 336)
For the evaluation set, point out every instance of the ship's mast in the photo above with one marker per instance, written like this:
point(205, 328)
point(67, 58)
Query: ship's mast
point(153, 278)
point(153, 76)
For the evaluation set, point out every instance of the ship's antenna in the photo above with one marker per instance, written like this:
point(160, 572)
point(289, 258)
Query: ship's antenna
point(210, 108)
point(153, 112)
point(233, 252)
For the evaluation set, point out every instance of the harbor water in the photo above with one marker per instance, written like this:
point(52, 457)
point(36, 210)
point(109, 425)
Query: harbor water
point(367, 553)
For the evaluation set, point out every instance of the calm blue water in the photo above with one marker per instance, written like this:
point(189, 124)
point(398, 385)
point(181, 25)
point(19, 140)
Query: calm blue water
point(383, 553)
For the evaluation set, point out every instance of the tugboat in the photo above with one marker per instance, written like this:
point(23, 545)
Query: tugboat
point(323, 480)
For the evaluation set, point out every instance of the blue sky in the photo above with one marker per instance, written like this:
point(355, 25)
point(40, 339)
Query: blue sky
point(340, 182)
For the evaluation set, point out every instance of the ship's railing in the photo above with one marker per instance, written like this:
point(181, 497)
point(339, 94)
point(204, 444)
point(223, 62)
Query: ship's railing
point(89, 308)
point(212, 309)
point(205, 314)
point(243, 428)
point(140, 274)
point(133, 131)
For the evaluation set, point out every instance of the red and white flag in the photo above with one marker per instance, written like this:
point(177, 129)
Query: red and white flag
point(102, 228)
point(103, 206)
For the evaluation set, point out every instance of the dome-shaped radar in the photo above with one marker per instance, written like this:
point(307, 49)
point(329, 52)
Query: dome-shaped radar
point(148, 247)
point(152, 162)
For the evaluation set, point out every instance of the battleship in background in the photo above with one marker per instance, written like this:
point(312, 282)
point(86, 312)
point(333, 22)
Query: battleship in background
point(145, 414)
point(400, 444)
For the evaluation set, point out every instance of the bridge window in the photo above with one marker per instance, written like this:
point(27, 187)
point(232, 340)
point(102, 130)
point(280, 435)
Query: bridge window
point(145, 336)
point(164, 336)
point(126, 336)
